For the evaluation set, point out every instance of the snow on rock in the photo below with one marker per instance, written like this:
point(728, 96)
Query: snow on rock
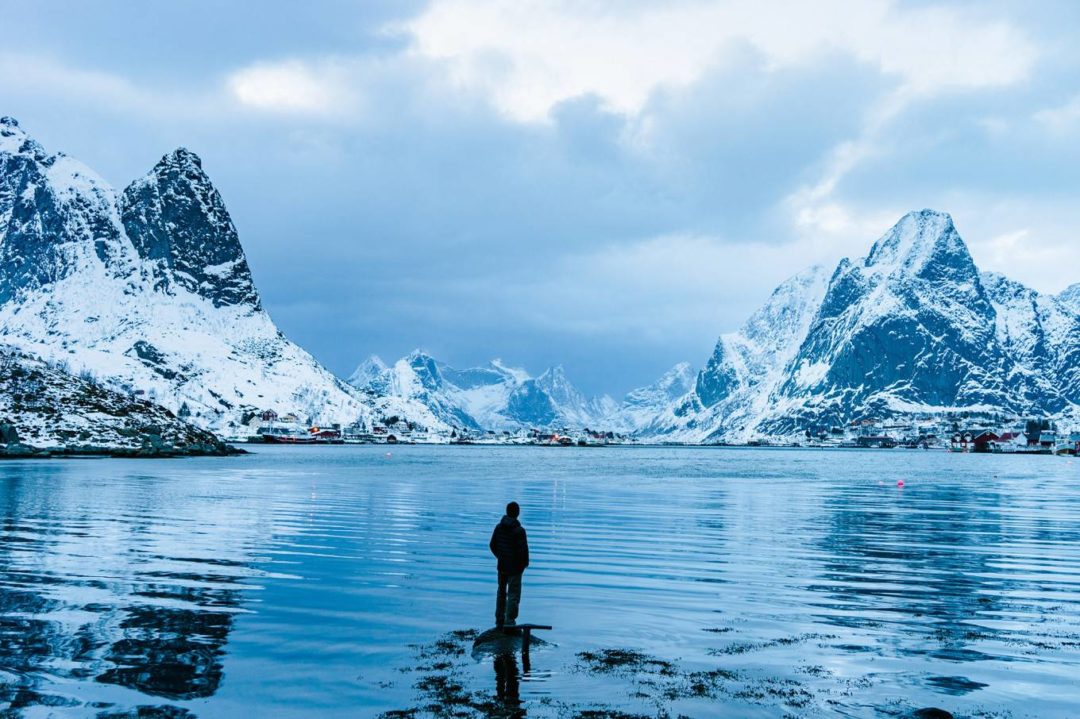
point(44, 407)
point(151, 290)
point(1070, 298)
point(641, 406)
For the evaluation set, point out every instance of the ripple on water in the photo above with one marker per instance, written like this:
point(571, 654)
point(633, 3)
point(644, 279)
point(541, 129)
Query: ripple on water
point(301, 581)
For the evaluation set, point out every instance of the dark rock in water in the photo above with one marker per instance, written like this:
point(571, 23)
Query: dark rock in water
point(931, 713)
point(497, 641)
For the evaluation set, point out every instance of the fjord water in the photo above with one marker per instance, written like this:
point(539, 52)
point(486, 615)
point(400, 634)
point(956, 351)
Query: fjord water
point(299, 582)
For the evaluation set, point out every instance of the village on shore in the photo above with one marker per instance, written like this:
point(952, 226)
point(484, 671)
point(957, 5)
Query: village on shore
point(959, 433)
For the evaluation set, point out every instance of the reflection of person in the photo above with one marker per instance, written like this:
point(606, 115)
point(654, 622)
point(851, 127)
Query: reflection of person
point(511, 547)
point(506, 684)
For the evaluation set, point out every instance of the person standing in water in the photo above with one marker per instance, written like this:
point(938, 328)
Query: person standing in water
point(511, 547)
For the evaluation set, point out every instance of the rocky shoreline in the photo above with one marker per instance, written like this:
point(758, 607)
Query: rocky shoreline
point(46, 411)
point(18, 450)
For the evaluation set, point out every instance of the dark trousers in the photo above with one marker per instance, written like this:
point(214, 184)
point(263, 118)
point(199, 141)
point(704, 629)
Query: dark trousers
point(506, 603)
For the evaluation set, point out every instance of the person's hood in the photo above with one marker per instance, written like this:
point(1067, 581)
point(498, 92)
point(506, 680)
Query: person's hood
point(509, 521)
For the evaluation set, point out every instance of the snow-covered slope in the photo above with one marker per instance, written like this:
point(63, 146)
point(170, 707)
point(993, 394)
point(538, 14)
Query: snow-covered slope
point(641, 406)
point(151, 290)
point(1041, 335)
point(1070, 298)
point(912, 328)
point(494, 397)
point(733, 389)
point(45, 407)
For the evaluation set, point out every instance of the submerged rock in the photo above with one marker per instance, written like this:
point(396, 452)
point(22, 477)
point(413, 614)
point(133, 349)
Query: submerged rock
point(931, 713)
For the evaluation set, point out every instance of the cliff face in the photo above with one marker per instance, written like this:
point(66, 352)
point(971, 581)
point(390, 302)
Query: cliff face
point(176, 219)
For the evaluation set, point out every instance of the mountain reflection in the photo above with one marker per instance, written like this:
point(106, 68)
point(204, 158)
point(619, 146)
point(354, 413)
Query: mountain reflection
point(929, 566)
point(133, 616)
point(168, 652)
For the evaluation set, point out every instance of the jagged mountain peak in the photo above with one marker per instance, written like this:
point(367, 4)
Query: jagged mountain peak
point(70, 174)
point(374, 361)
point(180, 157)
point(12, 137)
point(501, 367)
point(786, 305)
point(553, 373)
point(57, 218)
point(681, 369)
point(426, 368)
point(368, 372)
point(176, 218)
point(554, 381)
point(492, 396)
point(921, 242)
point(913, 329)
point(672, 385)
point(151, 292)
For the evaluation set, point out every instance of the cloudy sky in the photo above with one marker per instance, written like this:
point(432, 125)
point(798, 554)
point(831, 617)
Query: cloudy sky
point(608, 185)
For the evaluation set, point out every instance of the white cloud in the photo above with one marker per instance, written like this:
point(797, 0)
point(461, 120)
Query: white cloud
point(529, 55)
point(1030, 240)
point(294, 86)
point(679, 289)
point(45, 75)
point(1061, 117)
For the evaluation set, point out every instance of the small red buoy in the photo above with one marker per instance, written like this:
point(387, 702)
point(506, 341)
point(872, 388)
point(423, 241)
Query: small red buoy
point(900, 483)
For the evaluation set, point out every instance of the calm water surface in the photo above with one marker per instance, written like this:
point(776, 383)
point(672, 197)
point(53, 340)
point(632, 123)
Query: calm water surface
point(304, 581)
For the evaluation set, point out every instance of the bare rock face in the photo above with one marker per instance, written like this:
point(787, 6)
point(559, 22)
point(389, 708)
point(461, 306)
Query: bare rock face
point(54, 215)
point(175, 218)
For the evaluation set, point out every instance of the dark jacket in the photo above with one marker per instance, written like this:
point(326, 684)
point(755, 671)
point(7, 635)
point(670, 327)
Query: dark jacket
point(510, 545)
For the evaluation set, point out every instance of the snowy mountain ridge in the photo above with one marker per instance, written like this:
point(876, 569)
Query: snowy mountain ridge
point(501, 398)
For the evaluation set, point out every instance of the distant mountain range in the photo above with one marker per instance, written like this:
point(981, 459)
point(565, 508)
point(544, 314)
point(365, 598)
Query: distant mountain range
point(148, 291)
point(913, 329)
point(497, 397)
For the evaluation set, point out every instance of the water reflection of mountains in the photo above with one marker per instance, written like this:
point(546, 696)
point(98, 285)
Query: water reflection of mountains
point(146, 622)
point(932, 568)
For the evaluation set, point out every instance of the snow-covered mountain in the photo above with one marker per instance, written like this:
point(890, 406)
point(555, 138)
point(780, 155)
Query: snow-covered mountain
point(913, 328)
point(150, 289)
point(494, 397)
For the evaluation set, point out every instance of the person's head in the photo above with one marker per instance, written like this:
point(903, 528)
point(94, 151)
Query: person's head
point(513, 510)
